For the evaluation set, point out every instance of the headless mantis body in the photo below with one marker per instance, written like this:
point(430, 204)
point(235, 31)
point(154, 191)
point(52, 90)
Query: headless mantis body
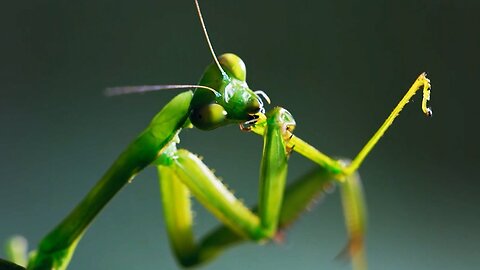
point(222, 97)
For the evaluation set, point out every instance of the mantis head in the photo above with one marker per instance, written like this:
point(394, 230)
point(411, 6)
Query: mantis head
point(233, 101)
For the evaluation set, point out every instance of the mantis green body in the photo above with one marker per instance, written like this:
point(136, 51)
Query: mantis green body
point(221, 98)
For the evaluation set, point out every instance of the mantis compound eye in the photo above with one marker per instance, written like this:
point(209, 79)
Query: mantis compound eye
point(208, 117)
point(233, 65)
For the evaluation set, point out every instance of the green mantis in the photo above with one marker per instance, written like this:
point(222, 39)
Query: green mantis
point(222, 98)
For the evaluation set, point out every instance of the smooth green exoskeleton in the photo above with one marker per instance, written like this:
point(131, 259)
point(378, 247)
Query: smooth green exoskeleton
point(221, 98)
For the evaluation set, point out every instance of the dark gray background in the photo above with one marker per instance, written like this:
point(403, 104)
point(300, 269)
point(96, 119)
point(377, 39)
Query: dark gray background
point(339, 67)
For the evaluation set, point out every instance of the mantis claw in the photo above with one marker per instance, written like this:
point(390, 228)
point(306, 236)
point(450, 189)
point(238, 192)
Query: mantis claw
point(426, 93)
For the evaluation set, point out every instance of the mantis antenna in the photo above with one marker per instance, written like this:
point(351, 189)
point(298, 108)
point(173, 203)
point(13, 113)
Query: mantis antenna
point(124, 90)
point(204, 28)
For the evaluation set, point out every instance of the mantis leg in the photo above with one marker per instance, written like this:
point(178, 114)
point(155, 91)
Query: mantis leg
point(181, 170)
point(354, 210)
point(297, 198)
point(56, 249)
point(336, 167)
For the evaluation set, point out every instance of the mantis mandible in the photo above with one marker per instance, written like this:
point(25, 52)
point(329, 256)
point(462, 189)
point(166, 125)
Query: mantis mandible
point(222, 97)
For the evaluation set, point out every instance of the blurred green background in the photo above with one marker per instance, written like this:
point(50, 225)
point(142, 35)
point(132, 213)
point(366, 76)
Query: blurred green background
point(338, 66)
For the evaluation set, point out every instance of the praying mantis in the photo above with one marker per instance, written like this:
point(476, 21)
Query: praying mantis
point(221, 98)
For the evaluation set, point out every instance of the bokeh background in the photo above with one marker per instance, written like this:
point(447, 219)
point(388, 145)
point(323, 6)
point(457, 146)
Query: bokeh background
point(338, 66)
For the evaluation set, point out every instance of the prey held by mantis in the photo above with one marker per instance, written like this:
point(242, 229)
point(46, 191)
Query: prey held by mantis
point(221, 98)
